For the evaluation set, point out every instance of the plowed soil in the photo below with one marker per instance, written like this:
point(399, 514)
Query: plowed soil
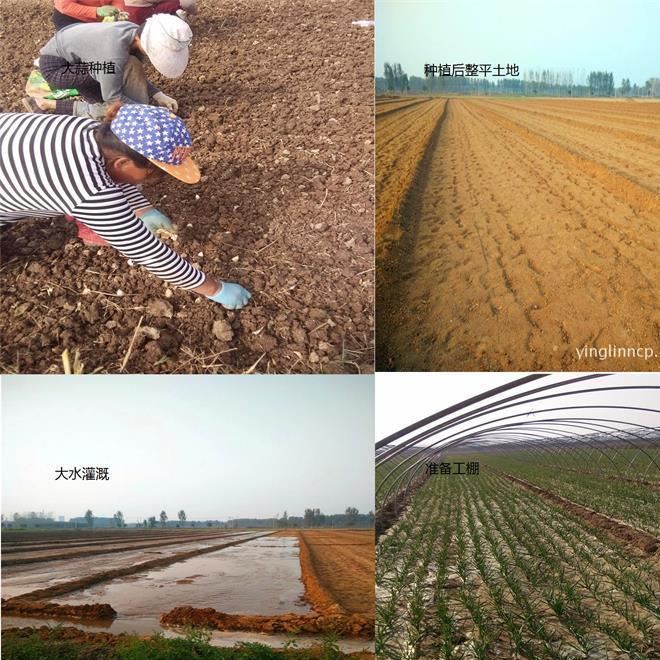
point(531, 233)
point(390, 105)
point(343, 564)
point(278, 97)
point(403, 129)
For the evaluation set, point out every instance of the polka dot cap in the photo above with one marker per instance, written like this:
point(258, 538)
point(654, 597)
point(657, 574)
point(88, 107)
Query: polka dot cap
point(160, 136)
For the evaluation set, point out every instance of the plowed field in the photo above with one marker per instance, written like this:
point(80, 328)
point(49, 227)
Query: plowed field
point(278, 98)
point(530, 233)
point(343, 562)
point(402, 130)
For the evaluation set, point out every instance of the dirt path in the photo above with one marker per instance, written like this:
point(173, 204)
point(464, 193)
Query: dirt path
point(529, 238)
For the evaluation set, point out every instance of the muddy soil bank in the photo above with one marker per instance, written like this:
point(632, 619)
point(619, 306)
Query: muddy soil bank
point(38, 608)
point(353, 625)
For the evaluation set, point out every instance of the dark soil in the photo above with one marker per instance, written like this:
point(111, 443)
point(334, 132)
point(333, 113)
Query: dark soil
point(279, 99)
point(96, 611)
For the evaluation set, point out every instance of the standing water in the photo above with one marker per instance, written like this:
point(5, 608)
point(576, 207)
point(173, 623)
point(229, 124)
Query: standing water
point(261, 576)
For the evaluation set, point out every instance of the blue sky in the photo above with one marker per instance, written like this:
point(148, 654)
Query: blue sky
point(621, 36)
point(215, 446)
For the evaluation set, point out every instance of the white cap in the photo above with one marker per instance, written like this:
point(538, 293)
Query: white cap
point(165, 39)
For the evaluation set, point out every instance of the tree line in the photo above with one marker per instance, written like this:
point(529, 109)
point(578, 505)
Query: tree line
point(541, 82)
point(350, 518)
point(313, 517)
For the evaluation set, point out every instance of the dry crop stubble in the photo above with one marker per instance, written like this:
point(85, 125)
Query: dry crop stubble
point(531, 232)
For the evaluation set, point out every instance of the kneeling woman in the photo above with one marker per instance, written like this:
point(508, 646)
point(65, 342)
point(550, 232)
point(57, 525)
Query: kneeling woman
point(56, 164)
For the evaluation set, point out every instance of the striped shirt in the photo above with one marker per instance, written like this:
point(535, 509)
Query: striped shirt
point(52, 165)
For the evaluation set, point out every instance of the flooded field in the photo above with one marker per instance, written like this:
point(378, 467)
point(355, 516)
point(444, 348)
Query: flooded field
point(260, 576)
point(50, 571)
point(258, 583)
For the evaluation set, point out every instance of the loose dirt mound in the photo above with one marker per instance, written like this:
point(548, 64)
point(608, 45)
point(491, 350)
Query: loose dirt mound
point(279, 100)
point(96, 611)
point(353, 625)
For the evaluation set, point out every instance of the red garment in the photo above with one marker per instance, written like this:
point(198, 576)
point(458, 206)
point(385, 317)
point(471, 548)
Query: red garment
point(85, 10)
point(85, 234)
point(139, 15)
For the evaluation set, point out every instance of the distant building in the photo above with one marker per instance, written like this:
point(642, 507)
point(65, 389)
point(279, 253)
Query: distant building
point(97, 522)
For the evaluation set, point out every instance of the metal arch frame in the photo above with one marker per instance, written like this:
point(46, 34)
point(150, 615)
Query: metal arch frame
point(427, 420)
point(413, 470)
point(536, 425)
point(396, 449)
point(456, 407)
point(595, 427)
point(522, 441)
point(563, 408)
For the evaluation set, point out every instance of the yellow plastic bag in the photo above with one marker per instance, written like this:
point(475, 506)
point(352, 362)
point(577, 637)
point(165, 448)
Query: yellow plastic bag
point(38, 88)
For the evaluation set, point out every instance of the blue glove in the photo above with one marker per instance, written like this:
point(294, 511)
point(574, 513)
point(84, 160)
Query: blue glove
point(154, 219)
point(232, 296)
